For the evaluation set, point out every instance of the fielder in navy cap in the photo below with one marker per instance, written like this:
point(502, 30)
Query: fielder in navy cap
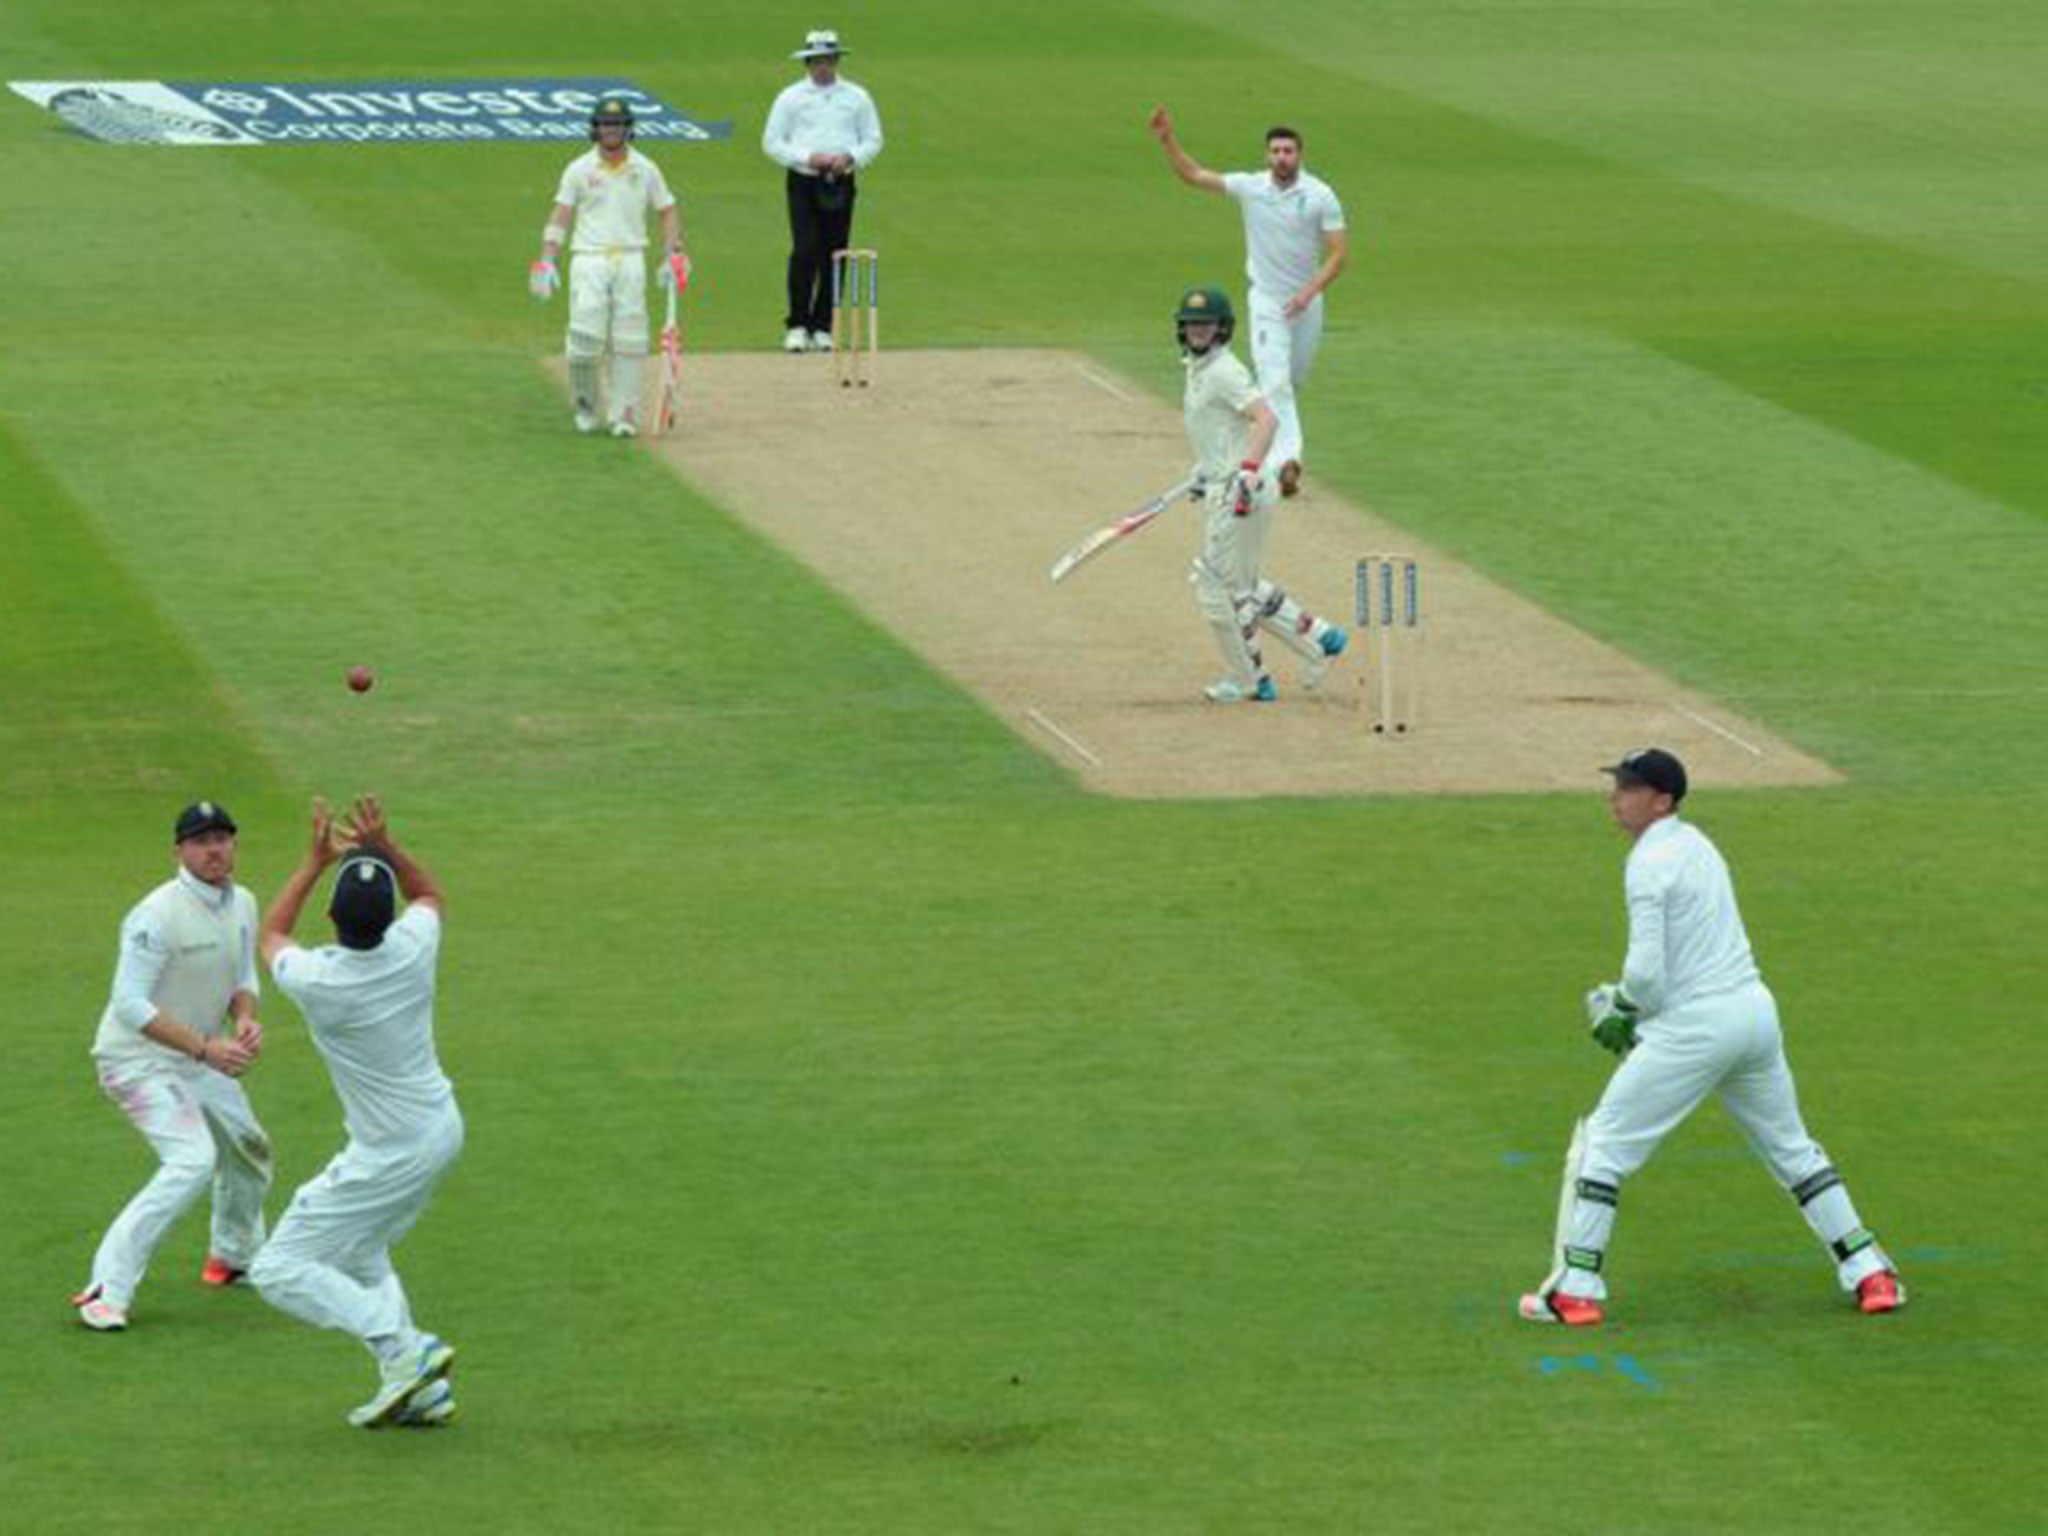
point(202, 816)
point(1654, 768)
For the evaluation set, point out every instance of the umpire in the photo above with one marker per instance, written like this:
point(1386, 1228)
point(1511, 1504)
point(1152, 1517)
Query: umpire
point(823, 130)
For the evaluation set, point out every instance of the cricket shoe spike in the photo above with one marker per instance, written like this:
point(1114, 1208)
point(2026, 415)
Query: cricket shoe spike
point(97, 1314)
point(1572, 1311)
point(402, 1383)
point(1881, 1292)
point(218, 1271)
point(1333, 642)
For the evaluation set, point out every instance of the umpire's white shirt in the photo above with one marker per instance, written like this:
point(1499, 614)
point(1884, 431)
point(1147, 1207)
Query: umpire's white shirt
point(612, 201)
point(1283, 229)
point(372, 1016)
point(811, 119)
point(1685, 936)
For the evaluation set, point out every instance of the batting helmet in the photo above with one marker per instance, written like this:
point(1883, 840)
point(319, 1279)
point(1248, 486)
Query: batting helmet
point(613, 109)
point(1205, 304)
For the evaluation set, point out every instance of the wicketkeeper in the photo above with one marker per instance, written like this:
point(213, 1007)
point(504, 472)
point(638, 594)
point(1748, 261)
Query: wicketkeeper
point(1690, 1016)
point(607, 193)
point(1230, 427)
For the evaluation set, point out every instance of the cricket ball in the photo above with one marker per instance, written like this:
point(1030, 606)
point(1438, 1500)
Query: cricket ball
point(360, 679)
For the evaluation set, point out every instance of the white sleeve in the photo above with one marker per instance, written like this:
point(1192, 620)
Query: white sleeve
point(248, 978)
point(867, 133)
point(658, 195)
point(568, 192)
point(1642, 972)
point(1238, 184)
point(144, 954)
point(775, 137)
point(1332, 213)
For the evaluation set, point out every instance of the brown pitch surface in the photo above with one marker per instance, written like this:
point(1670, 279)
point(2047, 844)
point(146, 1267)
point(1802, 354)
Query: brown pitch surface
point(936, 499)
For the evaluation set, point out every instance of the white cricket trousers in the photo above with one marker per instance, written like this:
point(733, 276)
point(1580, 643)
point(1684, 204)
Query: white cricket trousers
point(1225, 578)
point(607, 304)
point(329, 1261)
point(1283, 352)
point(1729, 1045)
point(205, 1134)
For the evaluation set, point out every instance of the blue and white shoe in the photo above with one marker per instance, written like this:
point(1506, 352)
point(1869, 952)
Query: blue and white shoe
point(1333, 642)
point(402, 1383)
point(432, 1407)
point(1231, 691)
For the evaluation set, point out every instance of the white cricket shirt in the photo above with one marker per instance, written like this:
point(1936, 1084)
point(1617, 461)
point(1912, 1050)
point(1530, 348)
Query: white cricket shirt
point(811, 119)
point(1283, 228)
point(1685, 936)
point(186, 949)
point(1220, 390)
point(372, 1016)
point(612, 201)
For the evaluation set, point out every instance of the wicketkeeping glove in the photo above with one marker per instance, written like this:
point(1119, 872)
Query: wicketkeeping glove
point(542, 279)
point(1613, 1016)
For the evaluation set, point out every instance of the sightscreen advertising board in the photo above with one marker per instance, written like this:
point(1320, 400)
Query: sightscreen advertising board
point(197, 112)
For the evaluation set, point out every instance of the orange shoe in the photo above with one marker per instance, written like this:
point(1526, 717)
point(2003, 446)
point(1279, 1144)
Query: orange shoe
point(1880, 1292)
point(218, 1271)
point(1572, 1311)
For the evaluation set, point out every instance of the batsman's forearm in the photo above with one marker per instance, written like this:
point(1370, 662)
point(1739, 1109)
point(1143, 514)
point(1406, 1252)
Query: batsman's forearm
point(671, 229)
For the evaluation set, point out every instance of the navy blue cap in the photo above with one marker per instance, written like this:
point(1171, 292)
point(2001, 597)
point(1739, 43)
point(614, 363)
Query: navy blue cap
point(1654, 767)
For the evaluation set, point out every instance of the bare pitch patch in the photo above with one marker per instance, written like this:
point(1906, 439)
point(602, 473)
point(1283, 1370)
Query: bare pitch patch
point(936, 499)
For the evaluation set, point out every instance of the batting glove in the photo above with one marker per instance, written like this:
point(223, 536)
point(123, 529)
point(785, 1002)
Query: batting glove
point(1244, 487)
point(542, 279)
point(675, 272)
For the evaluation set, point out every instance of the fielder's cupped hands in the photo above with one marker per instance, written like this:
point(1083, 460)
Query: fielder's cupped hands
point(329, 843)
point(367, 827)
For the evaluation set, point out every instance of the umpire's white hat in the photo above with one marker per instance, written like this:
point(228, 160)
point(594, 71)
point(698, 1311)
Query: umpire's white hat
point(822, 44)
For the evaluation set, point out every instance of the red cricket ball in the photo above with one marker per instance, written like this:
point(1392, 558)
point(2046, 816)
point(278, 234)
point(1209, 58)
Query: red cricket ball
point(360, 679)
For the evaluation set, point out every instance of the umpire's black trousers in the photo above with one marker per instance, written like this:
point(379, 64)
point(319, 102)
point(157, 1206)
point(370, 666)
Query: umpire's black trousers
point(820, 222)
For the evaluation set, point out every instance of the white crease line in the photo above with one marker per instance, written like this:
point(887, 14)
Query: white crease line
point(1749, 747)
point(1101, 383)
point(1082, 751)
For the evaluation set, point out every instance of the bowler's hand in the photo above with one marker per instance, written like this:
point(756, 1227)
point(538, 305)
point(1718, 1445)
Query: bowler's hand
point(249, 1036)
point(1161, 124)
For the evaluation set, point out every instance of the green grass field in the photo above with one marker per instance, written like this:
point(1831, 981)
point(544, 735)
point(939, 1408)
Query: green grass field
point(870, 1132)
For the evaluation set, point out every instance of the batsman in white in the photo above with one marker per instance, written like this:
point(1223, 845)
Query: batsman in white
point(1690, 1016)
point(1296, 244)
point(368, 999)
point(1230, 428)
point(178, 1030)
point(607, 193)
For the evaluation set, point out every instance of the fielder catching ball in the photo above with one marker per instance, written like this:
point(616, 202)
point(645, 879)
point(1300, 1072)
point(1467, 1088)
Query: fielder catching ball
point(1230, 428)
point(1690, 1016)
point(607, 193)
